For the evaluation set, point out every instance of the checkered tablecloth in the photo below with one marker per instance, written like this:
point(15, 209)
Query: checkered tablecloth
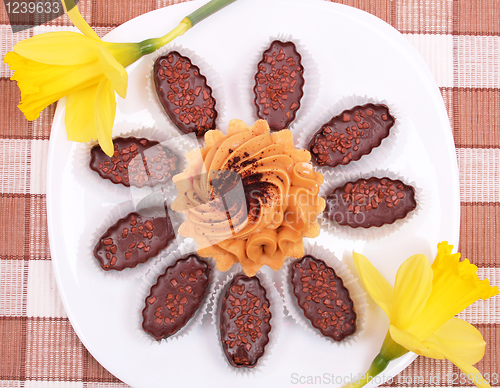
point(459, 39)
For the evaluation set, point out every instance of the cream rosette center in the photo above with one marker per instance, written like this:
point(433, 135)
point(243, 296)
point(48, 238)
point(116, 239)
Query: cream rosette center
point(249, 197)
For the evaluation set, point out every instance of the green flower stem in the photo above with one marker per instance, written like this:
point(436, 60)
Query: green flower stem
point(128, 53)
point(390, 351)
point(377, 366)
point(150, 45)
point(208, 9)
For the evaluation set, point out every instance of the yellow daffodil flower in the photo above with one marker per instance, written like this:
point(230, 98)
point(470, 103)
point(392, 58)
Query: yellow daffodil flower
point(87, 70)
point(422, 307)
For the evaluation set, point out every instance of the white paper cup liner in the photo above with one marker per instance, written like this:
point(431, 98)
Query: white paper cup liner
point(311, 79)
point(374, 232)
point(81, 160)
point(118, 212)
point(151, 279)
point(276, 308)
point(213, 80)
point(356, 293)
point(366, 162)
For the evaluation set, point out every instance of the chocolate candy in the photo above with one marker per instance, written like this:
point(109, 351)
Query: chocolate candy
point(184, 94)
point(176, 297)
point(279, 84)
point(350, 135)
point(244, 321)
point(370, 202)
point(323, 298)
point(134, 239)
point(136, 162)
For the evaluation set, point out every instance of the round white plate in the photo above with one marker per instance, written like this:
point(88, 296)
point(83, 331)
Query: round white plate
point(356, 53)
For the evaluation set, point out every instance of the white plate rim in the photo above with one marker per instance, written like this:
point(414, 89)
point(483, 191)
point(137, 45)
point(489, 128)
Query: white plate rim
point(52, 197)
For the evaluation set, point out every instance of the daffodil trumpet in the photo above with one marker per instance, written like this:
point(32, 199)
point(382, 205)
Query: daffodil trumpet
point(422, 307)
point(86, 70)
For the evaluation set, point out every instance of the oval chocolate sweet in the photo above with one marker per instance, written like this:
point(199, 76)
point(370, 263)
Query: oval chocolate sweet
point(244, 321)
point(279, 84)
point(184, 94)
point(134, 239)
point(323, 298)
point(176, 297)
point(350, 135)
point(136, 162)
point(370, 202)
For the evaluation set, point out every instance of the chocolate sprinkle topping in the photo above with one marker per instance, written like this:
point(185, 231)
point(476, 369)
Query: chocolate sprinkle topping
point(370, 202)
point(244, 321)
point(184, 94)
point(279, 84)
point(350, 135)
point(134, 239)
point(135, 162)
point(323, 298)
point(176, 296)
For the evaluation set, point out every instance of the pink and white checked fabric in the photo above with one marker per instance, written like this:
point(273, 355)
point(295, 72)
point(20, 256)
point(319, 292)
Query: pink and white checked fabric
point(459, 39)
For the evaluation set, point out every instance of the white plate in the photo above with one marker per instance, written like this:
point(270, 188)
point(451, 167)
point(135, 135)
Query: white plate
point(356, 54)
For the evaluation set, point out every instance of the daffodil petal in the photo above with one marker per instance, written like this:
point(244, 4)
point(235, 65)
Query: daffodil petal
point(105, 110)
point(444, 249)
point(411, 290)
point(51, 80)
point(472, 373)
point(78, 20)
point(413, 344)
point(43, 84)
point(58, 48)
point(460, 338)
point(80, 115)
point(113, 71)
point(378, 288)
point(455, 286)
point(434, 348)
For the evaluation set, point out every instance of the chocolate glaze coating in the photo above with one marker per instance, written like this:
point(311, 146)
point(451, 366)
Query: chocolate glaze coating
point(184, 94)
point(323, 298)
point(245, 321)
point(176, 296)
point(134, 239)
point(370, 202)
point(136, 162)
point(279, 84)
point(350, 135)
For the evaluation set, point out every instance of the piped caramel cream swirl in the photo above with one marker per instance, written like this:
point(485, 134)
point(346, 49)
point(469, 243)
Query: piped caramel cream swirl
point(249, 197)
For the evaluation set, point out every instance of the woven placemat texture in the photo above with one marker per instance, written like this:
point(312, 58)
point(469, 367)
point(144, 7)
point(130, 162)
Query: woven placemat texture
point(459, 39)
